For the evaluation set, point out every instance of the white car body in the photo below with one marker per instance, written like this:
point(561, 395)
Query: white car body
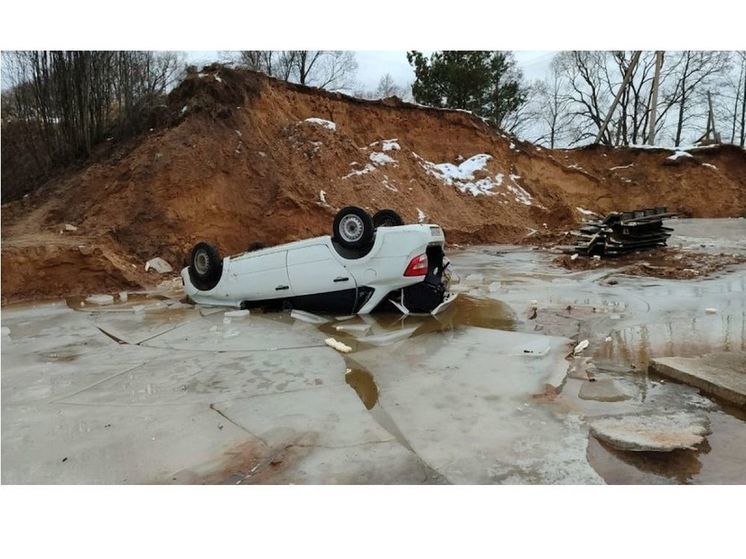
point(316, 274)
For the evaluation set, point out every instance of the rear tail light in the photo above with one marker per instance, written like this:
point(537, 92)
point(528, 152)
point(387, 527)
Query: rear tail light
point(417, 266)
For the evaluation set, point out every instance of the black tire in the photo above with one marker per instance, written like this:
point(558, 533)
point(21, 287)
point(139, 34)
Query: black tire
point(353, 228)
point(205, 266)
point(387, 218)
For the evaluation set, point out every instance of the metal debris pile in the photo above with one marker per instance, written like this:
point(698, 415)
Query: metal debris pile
point(623, 232)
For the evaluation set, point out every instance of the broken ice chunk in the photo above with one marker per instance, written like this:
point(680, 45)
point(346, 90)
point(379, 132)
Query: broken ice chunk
point(100, 299)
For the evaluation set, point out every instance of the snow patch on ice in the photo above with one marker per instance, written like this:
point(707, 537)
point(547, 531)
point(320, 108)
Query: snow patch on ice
point(321, 122)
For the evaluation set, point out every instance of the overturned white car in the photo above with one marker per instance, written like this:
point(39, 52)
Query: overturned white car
point(366, 264)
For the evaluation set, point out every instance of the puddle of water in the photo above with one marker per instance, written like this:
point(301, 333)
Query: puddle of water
point(684, 338)
point(362, 382)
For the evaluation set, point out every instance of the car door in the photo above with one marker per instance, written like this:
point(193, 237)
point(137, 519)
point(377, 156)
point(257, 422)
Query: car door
point(314, 271)
point(262, 276)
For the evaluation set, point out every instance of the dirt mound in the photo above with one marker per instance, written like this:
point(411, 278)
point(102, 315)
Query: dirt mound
point(242, 158)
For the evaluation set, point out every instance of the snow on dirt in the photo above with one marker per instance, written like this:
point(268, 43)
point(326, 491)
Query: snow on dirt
point(678, 155)
point(321, 122)
point(380, 158)
point(462, 175)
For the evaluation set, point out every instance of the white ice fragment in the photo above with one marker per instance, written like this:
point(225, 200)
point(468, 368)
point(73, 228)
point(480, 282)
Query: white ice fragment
point(100, 299)
point(159, 265)
point(711, 310)
point(574, 256)
point(322, 197)
point(710, 165)
point(533, 304)
point(304, 316)
point(353, 328)
point(596, 257)
point(339, 346)
point(580, 347)
point(388, 145)
point(420, 216)
point(389, 338)
point(237, 314)
point(69, 227)
point(321, 122)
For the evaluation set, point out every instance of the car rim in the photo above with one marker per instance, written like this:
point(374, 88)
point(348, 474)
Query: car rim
point(201, 262)
point(351, 228)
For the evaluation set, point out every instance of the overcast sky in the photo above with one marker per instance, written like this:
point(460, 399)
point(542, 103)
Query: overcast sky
point(373, 64)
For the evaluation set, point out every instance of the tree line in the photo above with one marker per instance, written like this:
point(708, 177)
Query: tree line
point(58, 105)
point(570, 105)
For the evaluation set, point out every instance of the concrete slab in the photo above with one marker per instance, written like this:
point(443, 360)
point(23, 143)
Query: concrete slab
point(464, 402)
point(652, 432)
point(721, 374)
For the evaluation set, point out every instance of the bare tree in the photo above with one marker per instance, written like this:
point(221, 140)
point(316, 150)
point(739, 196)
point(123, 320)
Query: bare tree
point(387, 87)
point(550, 105)
point(327, 69)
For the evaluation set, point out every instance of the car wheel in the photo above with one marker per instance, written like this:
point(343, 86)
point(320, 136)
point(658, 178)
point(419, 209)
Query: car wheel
point(387, 218)
point(205, 266)
point(353, 228)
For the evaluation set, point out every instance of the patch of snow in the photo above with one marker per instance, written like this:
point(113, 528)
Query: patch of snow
point(183, 109)
point(239, 133)
point(621, 167)
point(388, 186)
point(678, 155)
point(380, 158)
point(520, 194)
point(321, 122)
point(462, 176)
point(512, 146)
point(388, 145)
point(365, 170)
point(576, 167)
point(217, 78)
point(585, 212)
point(322, 197)
point(420, 216)
point(710, 165)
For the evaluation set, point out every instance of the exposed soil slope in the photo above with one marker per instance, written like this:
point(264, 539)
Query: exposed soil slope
point(239, 162)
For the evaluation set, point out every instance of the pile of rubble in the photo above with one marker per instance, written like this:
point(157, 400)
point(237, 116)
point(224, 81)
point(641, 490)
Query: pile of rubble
point(623, 232)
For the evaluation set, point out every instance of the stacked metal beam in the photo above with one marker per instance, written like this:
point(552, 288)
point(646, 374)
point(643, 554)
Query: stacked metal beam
point(623, 232)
